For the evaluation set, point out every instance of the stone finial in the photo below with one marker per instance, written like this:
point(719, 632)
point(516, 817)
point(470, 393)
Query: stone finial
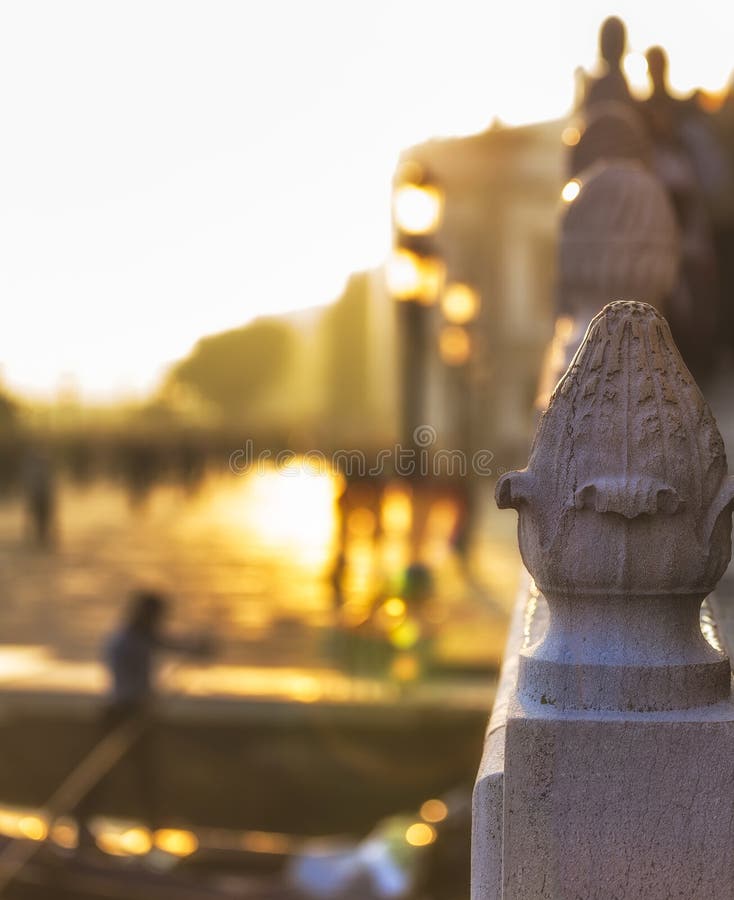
point(625, 524)
point(619, 238)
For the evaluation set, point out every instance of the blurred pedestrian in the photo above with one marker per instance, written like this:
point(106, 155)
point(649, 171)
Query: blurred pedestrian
point(39, 490)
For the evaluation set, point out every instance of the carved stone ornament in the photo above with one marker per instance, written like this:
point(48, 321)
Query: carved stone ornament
point(625, 525)
point(618, 239)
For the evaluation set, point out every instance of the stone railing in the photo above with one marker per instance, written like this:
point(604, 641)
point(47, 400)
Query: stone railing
point(608, 769)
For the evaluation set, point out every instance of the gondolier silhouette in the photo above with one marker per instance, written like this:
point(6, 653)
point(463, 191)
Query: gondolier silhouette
point(130, 656)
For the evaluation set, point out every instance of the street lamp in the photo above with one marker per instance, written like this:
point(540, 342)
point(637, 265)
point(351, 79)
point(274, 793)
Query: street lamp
point(459, 303)
point(415, 274)
point(414, 277)
point(417, 208)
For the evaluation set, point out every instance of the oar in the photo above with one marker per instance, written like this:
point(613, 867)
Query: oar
point(100, 760)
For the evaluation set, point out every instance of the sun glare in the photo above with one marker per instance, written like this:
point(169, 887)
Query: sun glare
point(287, 509)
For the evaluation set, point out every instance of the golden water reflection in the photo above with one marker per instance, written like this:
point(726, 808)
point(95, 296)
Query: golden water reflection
point(269, 563)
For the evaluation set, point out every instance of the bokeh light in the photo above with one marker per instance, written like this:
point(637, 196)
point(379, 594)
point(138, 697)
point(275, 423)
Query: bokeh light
point(460, 303)
point(419, 834)
point(571, 136)
point(413, 277)
point(434, 811)
point(397, 511)
point(405, 635)
point(571, 190)
point(454, 345)
point(33, 827)
point(175, 841)
point(417, 209)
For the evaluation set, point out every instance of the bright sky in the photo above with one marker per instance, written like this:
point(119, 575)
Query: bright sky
point(172, 168)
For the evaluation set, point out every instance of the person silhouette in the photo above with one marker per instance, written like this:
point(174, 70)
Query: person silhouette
point(130, 656)
point(40, 494)
point(611, 84)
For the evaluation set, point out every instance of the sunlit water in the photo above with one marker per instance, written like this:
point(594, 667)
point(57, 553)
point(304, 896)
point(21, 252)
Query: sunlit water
point(247, 559)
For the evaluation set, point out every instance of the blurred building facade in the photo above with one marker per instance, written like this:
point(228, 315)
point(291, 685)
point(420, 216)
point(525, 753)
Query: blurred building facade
point(496, 241)
point(456, 345)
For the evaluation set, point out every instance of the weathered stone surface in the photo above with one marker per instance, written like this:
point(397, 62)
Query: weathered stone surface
point(528, 624)
point(616, 774)
point(634, 808)
point(625, 525)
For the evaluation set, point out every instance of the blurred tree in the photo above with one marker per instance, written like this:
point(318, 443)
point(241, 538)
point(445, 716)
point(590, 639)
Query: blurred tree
point(345, 333)
point(232, 370)
point(9, 409)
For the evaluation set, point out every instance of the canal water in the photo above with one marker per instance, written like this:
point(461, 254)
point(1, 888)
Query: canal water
point(269, 564)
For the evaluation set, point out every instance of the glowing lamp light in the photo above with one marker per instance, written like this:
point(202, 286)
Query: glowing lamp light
point(571, 136)
point(394, 607)
point(305, 690)
point(397, 511)
point(390, 614)
point(454, 345)
point(460, 303)
point(65, 835)
point(405, 635)
point(405, 668)
point(420, 835)
point(136, 841)
point(131, 842)
point(176, 841)
point(417, 209)
point(33, 827)
point(361, 522)
point(571, 190)
point(413, 277)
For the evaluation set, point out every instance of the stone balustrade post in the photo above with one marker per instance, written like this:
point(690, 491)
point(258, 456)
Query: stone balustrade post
point(609, 763)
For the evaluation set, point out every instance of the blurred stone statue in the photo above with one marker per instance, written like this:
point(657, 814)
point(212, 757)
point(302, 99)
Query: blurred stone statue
point(690, 164)
point(723, 217)
point(611, 84)
point(40, 494)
